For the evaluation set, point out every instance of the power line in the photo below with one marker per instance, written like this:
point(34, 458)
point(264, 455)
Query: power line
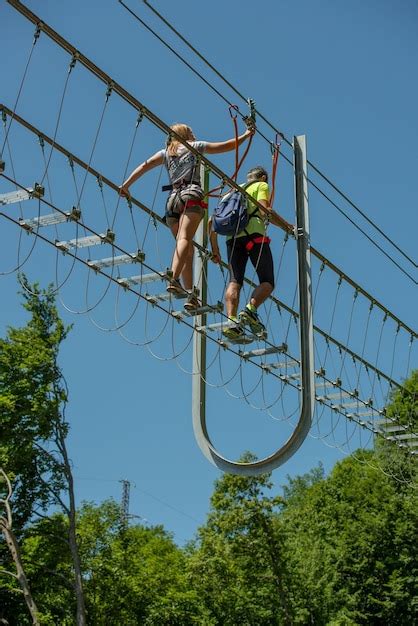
point(240, 95)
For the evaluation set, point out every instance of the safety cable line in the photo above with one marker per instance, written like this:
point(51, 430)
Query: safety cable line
point(35, 39)
point(45, 239)
point(111, 278)
point(100, 74)
point(314, 167)
point(128, 287)
point(156, 217)
point(352, 222)
point(128, 160)
point(126, 95)
point(369, 221)
point(19, 262)
point(174, 52)
point(363, 292)
point(159, 123)
point(289, 143)
point(294, 314)
point(70, 69)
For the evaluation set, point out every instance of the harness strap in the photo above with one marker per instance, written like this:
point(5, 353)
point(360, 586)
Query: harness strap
point(261, 239)
point(251, 215)
point(200, 203)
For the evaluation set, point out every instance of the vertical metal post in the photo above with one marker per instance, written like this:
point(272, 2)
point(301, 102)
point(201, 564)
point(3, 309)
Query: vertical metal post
point(304, 276)
point(124, 507)
point(199, 339)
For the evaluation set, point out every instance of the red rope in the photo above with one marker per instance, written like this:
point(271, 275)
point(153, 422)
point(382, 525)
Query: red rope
point(275, 160)
point(238, 162)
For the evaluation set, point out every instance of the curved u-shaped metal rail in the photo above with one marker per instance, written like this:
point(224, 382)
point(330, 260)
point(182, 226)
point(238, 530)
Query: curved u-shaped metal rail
point(280, 456)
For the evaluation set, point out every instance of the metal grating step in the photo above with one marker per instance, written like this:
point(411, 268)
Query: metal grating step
point(207, 308)
point(244, 340)
point(325, 383)
point(411, 438)
point(50, 219)
point(164, 297)
point(349, 405)
point(332, 396)
point(143, 279)
point(265, 351)
point(216, 326)
point(393, 428)
point(84, 242)
point(37, 191)
point(134, 257)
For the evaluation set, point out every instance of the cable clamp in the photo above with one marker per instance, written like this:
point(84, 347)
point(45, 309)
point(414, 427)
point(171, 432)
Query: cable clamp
point(139, 256)
point(37, 191)
point(74, 215)
point(2, 166)
point(298, 232)
point(38, 30)
point(251, 105)
point(139, 118)
point(109, 237)
point(73, 61)
point(109, 90)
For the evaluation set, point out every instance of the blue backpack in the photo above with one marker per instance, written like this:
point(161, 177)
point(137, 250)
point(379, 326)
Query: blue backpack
point(231, 215)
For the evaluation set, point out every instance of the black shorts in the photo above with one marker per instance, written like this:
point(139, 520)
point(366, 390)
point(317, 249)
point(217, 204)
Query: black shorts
point(260, 256)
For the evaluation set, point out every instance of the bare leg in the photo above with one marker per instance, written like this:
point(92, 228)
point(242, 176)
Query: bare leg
point(260, 294)
point(183, 252)
point(187, 271)
point(232, 299)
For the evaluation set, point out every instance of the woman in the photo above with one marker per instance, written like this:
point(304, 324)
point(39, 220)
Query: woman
point(185, 207)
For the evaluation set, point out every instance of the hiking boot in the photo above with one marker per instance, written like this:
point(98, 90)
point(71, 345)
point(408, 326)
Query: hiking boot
point(250, 318)
point(233, 332)
point(192, 303)
point(174, 287)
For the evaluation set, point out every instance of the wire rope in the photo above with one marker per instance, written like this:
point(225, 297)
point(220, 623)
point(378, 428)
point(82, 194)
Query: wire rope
point(272, 127)
point(35, 39)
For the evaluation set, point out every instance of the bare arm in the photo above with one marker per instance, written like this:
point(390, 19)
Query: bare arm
point(275, 218)
point(218, 147)
point(143, 168)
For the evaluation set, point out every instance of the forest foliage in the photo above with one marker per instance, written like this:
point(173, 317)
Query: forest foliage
point(336, 549)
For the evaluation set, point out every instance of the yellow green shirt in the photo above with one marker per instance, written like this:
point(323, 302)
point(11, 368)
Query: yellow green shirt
point(258, 191)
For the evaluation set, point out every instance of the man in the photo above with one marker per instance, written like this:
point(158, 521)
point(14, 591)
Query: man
point(252, 243)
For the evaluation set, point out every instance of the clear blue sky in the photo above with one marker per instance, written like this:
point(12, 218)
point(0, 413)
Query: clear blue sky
point(342, 73)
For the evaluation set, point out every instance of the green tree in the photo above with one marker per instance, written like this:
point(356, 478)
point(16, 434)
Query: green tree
point(134, 575)
point(30, 396)
point(351, 539)
point(237, 563)
point(33, 428)
point(402, 409)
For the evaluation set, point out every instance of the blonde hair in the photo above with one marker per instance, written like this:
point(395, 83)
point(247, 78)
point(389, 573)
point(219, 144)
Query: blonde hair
point(185, 133)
